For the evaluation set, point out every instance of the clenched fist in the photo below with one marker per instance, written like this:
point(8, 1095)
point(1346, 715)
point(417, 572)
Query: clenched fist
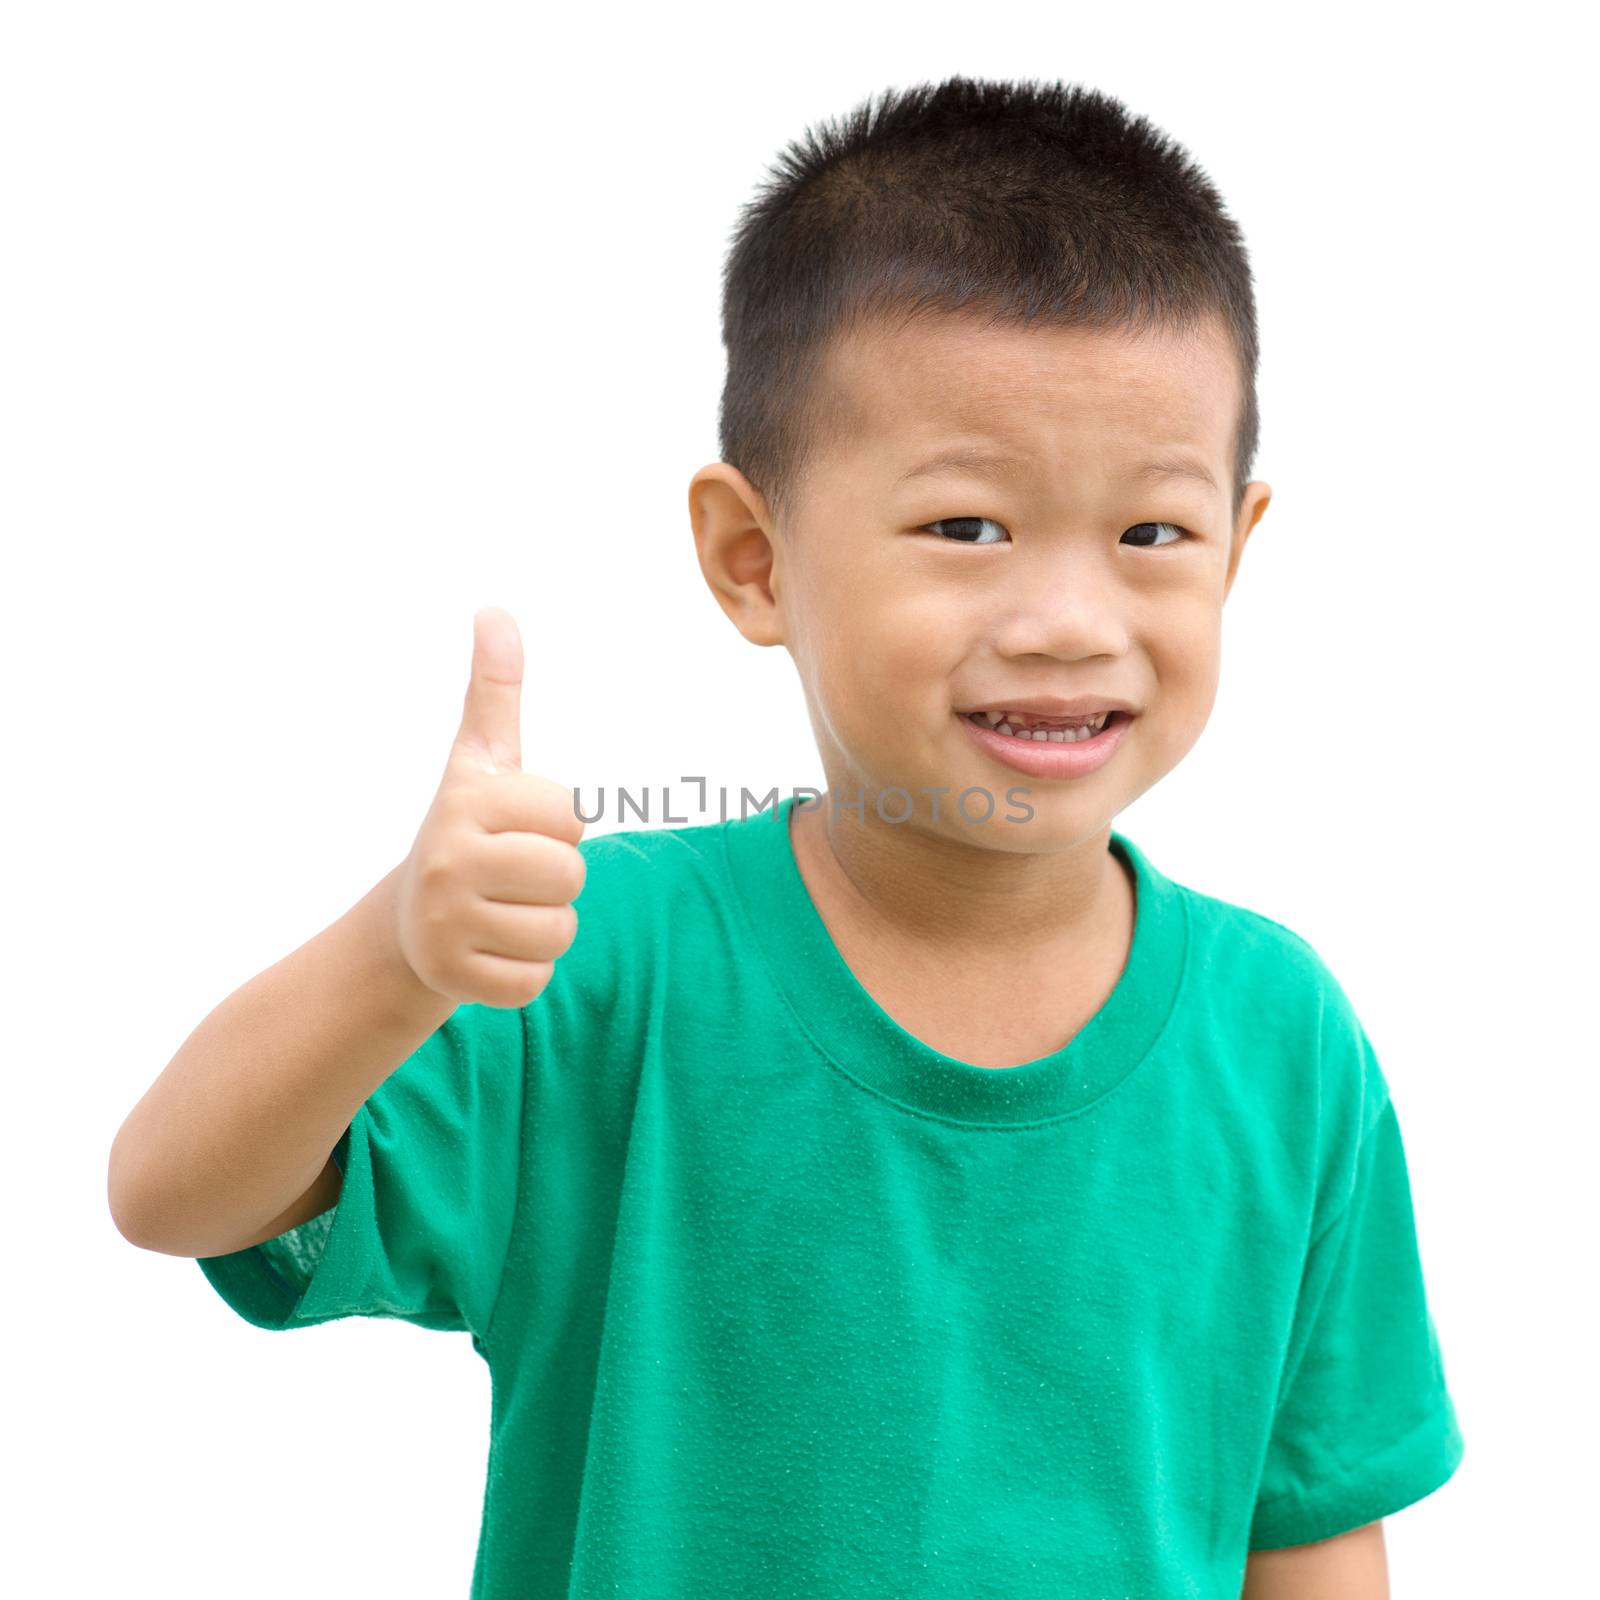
point(484, 900)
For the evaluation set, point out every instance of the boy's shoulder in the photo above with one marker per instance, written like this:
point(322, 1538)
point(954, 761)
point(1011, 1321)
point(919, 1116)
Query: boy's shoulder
point(1255, 977)
point(1237, 944)
point(656, 856)
point(645, 892)
point(644, 884)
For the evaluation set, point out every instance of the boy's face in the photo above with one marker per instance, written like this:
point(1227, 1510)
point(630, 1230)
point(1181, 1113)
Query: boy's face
point(897, 626)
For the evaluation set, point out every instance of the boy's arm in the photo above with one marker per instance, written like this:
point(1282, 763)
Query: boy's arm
point(231, 1143)
point(1352, 1566)
point(320, 1197)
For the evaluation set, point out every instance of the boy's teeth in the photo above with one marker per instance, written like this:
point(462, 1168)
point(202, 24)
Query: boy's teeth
point(997, 721)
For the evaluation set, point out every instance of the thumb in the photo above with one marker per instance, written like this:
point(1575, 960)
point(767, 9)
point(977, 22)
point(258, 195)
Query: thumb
point(491, 719)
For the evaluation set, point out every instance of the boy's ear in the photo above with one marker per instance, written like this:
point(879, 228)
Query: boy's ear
point(1256, 498)
point(738, 555)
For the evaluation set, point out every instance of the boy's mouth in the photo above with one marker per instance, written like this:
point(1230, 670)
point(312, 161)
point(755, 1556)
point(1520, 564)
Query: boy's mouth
point(1039, 729)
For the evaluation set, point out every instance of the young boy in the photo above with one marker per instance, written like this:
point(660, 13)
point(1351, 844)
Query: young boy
point(913, 1192)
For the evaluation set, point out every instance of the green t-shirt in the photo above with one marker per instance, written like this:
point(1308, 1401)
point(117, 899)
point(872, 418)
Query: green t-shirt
point(778, 1301)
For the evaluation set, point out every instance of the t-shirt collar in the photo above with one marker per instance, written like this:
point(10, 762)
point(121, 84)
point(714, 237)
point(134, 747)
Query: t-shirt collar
point(858, 1037)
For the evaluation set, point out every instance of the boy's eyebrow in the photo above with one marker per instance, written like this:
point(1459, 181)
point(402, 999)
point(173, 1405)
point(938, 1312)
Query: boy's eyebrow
point(1000, 464)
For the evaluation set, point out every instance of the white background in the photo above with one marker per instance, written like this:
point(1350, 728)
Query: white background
point(325, 324)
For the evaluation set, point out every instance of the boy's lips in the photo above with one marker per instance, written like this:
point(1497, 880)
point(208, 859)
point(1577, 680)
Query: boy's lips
point(1047, 758)
point(1048, 708)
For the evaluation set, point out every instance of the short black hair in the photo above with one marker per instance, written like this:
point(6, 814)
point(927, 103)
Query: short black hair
point(1029, 201)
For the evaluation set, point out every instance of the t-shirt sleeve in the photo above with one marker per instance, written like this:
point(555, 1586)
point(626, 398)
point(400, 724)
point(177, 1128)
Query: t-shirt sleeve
point(420, 1231)
point(1364, 1424)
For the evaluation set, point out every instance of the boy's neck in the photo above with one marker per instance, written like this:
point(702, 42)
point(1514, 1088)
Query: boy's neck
point(993, 910)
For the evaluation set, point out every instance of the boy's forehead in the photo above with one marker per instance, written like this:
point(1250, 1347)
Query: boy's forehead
point(906, 390)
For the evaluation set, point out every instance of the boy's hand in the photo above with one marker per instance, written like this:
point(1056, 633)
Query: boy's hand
point(484, 900)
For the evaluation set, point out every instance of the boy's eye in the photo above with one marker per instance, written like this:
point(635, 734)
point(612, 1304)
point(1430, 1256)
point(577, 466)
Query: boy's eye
point(1146, 544)
point(969, 530)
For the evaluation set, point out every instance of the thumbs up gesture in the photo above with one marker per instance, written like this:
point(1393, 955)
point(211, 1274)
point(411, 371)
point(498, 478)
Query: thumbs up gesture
point(484, 900)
